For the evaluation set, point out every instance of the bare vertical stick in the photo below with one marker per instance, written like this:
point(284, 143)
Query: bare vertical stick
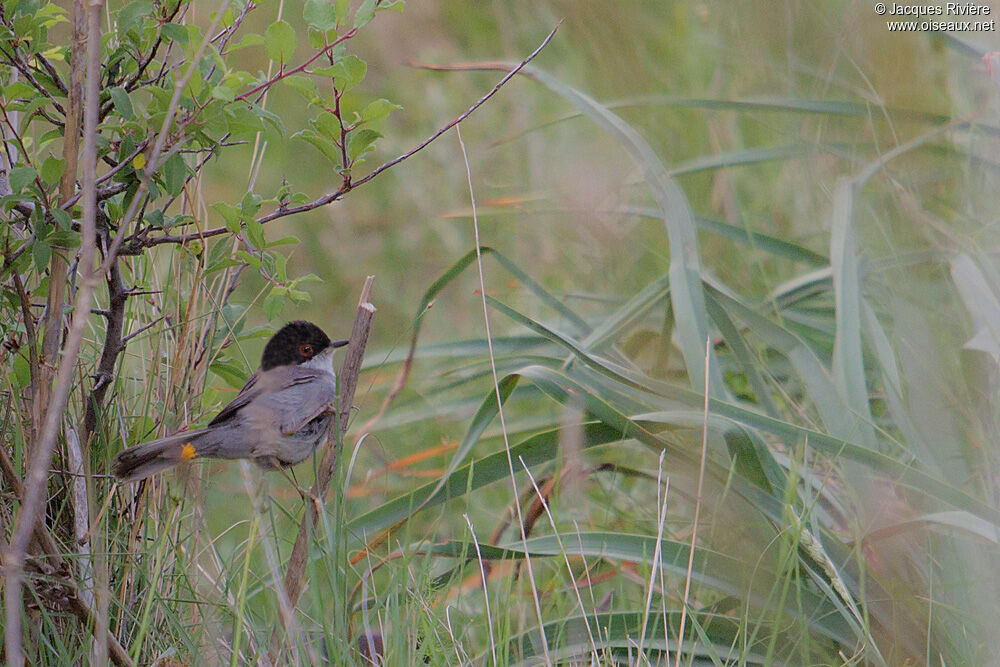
point(348, 381)
point(35, 486)
point(81, 515)
point(41, 384)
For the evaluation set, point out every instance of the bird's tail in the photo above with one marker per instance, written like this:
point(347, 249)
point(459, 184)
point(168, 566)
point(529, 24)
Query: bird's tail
point(139, 462)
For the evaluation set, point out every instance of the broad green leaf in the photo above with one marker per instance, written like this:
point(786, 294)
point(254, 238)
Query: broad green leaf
point(62, 218)
point(304, 85)
point(19, 90)
point(224, 93)
point(121, 101)
point(279, 38)
point(365, 13)
point(232, 374)
point(349, 72)
point(41, 251)
point(320, 14)
point(174, 174)
point(325, 145)
point(230, 214)
point(274, 303)
point(360, 142)
point(132, 14)
point(378, 110)
point(343, 8)
point(175, 32)
point(52, 169)
point(19, 177)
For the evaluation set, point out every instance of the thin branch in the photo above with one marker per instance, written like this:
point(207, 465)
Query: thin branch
point(331, 197)
point(131, 84)
point(28, 73)
point(283, 73)
point(113, 345)
point(29, 323)
point(348, 381)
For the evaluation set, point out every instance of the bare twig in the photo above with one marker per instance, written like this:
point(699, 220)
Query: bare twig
point(348, 186)
point(29, 323)
point(283, 73)
point(113, 345)
point(81, 515)
point(348, 381)
point(35, 486)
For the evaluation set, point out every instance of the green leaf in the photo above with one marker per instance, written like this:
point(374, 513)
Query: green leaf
point(305, 86)
point(241, 121)
point(123, 105)
point(132, 14)
point(20, 177)
point(274, 303)
point(41, 252)
point(62, 219)
point(320, 14)
point(255, 233)
point(361, 142)
point(279, 38)
point(250, 39)
point(328, 125)
point(65, 239)
point(224, 93)
point(174, 174)
point(348, 73)
point(378, 110)
point(175, 32)
point(343, 8)
point(232, 374)
point(250, 204)
point(52, 169)
point(19, 90)
point(231, 214)
point(325, 146)
point(155, 219)
point(365, 13)
point(22, 371)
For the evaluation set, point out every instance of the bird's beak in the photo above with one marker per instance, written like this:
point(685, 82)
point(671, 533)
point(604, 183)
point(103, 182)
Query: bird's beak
point(339, 343)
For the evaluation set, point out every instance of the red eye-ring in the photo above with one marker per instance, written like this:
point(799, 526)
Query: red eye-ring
point(306, 350)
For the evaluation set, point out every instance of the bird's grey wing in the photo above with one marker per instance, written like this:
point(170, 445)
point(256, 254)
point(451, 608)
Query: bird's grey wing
point(302, 395)
point(249, 391)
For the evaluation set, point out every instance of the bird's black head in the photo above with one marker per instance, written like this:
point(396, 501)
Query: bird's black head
point(295, 343)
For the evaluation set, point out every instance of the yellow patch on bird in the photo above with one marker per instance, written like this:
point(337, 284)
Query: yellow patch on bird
point(187, 451)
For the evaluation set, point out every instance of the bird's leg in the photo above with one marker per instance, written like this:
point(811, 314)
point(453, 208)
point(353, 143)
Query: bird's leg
point(290, 477)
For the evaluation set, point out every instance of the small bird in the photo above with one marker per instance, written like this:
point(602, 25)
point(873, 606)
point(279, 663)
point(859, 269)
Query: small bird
point(278, 419)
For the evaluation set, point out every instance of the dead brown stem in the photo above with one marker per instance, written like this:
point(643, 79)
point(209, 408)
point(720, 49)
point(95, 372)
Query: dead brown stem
point(348, 380)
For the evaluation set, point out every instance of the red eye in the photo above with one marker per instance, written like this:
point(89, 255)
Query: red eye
point(306, 350)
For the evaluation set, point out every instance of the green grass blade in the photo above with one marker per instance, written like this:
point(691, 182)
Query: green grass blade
point(685, 264)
